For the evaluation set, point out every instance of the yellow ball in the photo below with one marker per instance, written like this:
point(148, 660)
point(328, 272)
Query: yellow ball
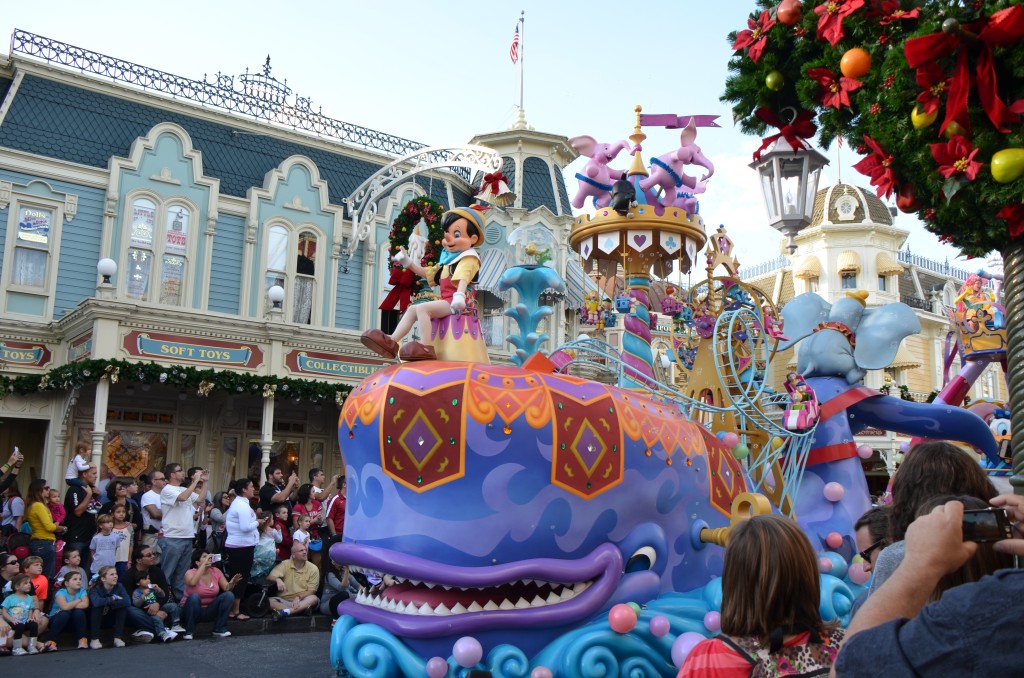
point(920, 120)
point(777, 443)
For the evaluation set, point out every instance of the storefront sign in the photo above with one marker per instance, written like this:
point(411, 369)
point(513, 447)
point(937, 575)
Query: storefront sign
point(330, 364)
point(23, 353)
point(80, 348)
point(177, 348)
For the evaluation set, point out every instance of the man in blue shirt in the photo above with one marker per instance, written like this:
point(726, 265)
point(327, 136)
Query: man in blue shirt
point(973, 630)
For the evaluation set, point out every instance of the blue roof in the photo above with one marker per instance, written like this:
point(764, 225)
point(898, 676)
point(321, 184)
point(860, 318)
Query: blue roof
point(61, 121)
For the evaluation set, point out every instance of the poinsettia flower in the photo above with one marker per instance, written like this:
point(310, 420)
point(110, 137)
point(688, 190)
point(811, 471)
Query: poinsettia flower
point(830, 18)
point(835, 91)
point(956, 156)
point(1014, 216)
point(933, 80)
point(878, 166)
point(890, 12)
point(756, 38)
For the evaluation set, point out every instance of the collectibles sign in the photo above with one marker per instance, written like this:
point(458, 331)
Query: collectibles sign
point(330, 364)
point(22, 353)
point(190, 349)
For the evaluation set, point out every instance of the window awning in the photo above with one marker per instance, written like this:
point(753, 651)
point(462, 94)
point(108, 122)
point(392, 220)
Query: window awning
point(809, 267)
point(577, 284)
point(493, 263)
point(904, 358)
point(887, 265)
point(849, 262)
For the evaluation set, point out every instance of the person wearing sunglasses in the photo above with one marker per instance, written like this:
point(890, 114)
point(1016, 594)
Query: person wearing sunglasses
point(872, 534)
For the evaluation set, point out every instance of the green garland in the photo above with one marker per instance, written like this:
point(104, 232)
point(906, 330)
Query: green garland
point(78, 374)
point(882, 106)
point(430, 211)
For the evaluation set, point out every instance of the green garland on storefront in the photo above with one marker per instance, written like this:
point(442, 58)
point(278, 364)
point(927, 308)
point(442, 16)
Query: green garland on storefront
point(203, 382)
point(960, 209)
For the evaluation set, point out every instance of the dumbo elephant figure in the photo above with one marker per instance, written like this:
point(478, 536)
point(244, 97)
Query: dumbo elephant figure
point(845, 339)
point(667, 170)
point(597, 177)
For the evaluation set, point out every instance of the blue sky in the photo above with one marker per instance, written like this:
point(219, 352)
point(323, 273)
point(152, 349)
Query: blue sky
point(438, 72)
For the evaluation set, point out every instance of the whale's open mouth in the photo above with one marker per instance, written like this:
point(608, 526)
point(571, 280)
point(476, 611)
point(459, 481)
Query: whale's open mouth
point(422, 598)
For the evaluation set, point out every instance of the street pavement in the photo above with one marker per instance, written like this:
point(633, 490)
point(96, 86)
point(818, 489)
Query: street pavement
point(278, 655)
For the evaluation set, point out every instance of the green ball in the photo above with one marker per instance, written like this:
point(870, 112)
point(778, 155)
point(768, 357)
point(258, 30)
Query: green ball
point(636, 608)
point(741, 451)
point(774, 81)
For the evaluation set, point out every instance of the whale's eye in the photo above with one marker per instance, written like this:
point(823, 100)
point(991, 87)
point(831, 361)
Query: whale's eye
point(642, 559)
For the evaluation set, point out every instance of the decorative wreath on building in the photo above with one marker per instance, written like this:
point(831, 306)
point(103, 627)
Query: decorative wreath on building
point(403, 281)
point(931, 92)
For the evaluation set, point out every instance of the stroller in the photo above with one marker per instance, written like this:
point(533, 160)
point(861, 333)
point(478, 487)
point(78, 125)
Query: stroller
point(17, 544)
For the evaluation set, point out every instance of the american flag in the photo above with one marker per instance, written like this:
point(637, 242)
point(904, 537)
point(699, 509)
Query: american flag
point(513, 51)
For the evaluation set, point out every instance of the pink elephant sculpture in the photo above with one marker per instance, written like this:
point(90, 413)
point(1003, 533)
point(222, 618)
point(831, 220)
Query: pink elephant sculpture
point(687, 200)
point(667, 170)
point(597, 177)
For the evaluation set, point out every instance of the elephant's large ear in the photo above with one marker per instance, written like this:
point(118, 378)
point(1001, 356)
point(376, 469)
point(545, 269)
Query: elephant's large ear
point(880, 332)
point(584, 144)
point(802, 315)
point(689, 134)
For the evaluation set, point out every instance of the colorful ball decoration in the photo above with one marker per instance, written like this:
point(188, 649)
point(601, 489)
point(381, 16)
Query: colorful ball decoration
point(720, 435)
point(713, 621)
point(775, 81)
point(683, 645)
point(621, 618)
point(541, 672)
point(904, 446)
point(834, 540)
point(741, 451)
point(777, 442)
point(855, 63)
point(467, 651)
point(635, 607)
point(660, 626)
point(824, 565)
point(857, 574)
point(789, 12)
point(865, 451)
point(834, 491)
point(437, 667)
point(837, 564)
point(730, 440)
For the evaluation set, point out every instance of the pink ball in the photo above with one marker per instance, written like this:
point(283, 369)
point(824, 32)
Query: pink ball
point(865, 451)
point(621, 618)
point(857, 574)
point(541, 672)
point(713, 621)
point(682, 646)
point(467, 651)
point(730, 440)
point(824, 565)
point(834, 492)
point(904, 447)
point(834, 540)
point(437, 667)
point(660, 626)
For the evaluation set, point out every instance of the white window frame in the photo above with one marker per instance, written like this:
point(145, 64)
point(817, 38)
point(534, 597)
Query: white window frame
point(49, 287)
point(291, 275)
point(158, 248)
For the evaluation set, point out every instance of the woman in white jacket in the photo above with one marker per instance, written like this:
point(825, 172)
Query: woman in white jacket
point(243, 533)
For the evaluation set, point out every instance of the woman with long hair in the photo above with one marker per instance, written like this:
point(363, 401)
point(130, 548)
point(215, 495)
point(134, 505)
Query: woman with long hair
point(119, 493)
point(44, 530)
point(243, 533)
point(770, 597)
point(13, 510)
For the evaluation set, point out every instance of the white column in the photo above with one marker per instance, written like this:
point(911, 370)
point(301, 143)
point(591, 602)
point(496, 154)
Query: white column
point(99, 420)
point(267, 435)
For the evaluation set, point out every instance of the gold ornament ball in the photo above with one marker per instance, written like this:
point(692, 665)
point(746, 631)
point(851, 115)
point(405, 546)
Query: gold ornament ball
point(855, 62)
point(954, 129)
point(774, 81)
point(920, 119)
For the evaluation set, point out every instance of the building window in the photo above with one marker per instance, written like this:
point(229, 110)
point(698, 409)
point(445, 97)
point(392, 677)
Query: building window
point(848, 280)
point(812, 284)
point(31, 263)
point(882, 283)
point(291, 257)
point(30, 251)
point(158, 245)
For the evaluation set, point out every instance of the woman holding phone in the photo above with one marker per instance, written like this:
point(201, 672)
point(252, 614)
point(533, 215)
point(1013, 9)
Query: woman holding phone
point(243, 534)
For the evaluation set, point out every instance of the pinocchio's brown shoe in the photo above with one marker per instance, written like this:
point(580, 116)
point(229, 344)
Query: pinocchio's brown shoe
point(379, 342)
point(414, 351)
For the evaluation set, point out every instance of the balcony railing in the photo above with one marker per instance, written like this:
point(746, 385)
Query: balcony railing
point(764, 267)
point(917, 302)
point(940, 267)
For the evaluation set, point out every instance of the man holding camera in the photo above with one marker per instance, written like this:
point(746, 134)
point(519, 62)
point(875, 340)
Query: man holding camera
point(177, 503)
point(897, 633)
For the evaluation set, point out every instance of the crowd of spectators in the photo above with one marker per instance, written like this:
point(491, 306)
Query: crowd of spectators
point(155, 556)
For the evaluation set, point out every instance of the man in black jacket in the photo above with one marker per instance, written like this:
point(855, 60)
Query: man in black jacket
point(144, 564)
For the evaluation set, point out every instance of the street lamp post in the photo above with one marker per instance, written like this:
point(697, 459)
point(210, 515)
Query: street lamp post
point(107, 268)
point(789, 182)
point(276, 296)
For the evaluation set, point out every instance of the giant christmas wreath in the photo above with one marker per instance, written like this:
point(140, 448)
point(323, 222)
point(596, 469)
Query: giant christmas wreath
point(404, 280)
point(931, 92)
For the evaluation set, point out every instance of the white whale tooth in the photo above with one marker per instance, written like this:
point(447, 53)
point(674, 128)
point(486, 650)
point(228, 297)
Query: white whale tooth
point(475, 607)
point(459, 608)
point(507, 605)
point(426, 609)
point(537, 602)
point(567, 594)
point(361, 596)
point(442, 610)
point(521, 604)
point(415, 582)
point(553, 598)
point(429, 584)
point(538, 582)
point(579, 587)
point(392, 605)
point(446, 587)
point(400, 607)
point(490, 606)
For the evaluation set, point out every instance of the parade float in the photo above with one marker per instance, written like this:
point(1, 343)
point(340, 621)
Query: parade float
point(566, 515)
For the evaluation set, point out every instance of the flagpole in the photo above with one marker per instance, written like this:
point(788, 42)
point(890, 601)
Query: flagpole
point(522, 51)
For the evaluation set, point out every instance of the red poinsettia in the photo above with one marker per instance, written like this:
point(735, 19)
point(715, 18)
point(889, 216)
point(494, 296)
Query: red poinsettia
point(956, 157)
point(1014, 216)
point(756, 38)
point(835, 91)
point(890, 12)
point(830, 18)
point(878, 167)
point(934, 81)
